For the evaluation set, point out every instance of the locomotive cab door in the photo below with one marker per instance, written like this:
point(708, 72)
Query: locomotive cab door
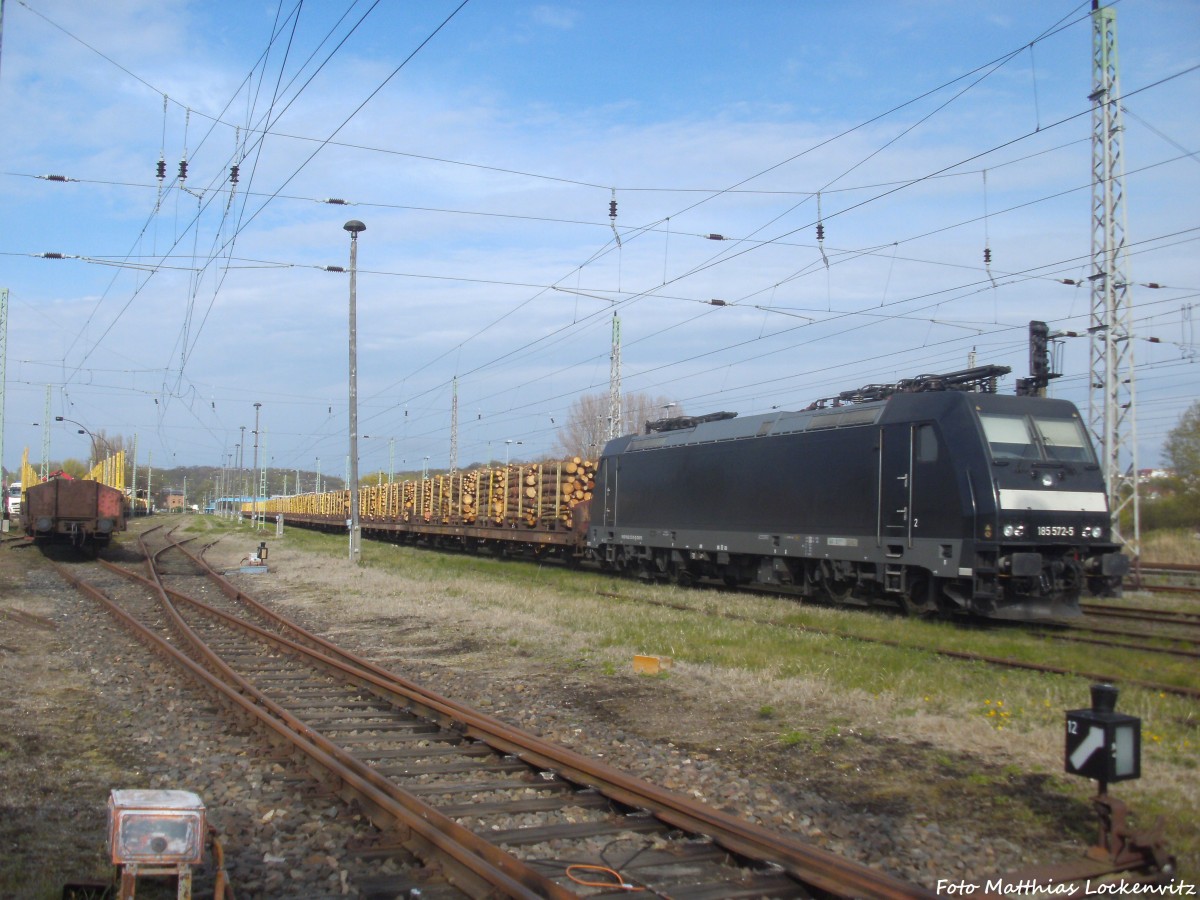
point(895, 488)
point(606, 484)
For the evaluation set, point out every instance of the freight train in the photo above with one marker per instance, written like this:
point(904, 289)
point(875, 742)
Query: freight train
point(79, 511)
point(934, 495)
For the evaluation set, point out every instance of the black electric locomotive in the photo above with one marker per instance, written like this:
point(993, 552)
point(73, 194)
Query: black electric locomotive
point(937, 495)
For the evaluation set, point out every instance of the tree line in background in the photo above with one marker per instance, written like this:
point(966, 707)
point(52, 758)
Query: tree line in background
point(1173, 500)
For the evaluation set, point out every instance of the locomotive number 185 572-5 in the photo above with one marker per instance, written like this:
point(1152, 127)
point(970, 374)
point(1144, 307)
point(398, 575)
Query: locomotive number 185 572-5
point(1056, 531)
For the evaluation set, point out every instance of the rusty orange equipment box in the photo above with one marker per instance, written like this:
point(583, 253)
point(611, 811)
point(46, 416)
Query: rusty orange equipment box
point(155, 827)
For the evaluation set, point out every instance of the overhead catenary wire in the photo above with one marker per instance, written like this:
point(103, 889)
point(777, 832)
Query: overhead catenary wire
point(825, 259)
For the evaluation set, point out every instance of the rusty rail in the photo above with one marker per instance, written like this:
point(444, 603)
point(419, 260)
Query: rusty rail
point(811, 865)
point(476, 867)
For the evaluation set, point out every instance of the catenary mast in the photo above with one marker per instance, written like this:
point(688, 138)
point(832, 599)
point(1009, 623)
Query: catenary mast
point(1111, 415)
point(614, 381)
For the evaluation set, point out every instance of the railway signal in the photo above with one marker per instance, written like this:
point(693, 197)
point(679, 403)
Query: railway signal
point(1103, 744)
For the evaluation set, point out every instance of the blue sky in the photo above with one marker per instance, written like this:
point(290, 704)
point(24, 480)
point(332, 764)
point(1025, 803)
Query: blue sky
point(483, 162)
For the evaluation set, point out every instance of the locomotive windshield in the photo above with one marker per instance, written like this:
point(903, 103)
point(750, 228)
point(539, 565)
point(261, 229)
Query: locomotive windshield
point(1036, 438)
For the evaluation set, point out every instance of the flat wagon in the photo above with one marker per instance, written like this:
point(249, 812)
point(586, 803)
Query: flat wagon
point(78, 511)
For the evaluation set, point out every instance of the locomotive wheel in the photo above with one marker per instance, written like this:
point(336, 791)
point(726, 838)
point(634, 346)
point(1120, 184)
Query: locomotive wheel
point(1103, 586)
point(839, 590)
point(919, 601)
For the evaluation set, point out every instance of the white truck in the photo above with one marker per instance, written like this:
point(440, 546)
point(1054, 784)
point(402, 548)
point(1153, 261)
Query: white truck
point(12, 500)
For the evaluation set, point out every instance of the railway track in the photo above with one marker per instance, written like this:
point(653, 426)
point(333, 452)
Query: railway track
point(1142, 615)
point(1168, 578)
point(1000, 661)
point(1156, 631)
point(500, 812)
point(1181, 647)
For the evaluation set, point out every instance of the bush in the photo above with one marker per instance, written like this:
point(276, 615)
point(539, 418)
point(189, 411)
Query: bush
point(1175, 511)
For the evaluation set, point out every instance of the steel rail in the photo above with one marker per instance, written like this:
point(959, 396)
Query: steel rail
point(1156, 616)
point(573, 767)
point(811, 865)
point(1001, 661)
point(500, 870)
point(470, 871)
point(1153, 567)
point(1121, 645)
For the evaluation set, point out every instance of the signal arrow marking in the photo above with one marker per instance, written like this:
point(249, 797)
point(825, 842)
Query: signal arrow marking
point(1090, 744)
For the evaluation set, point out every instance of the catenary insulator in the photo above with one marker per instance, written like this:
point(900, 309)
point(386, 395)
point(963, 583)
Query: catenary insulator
point(162, 169)
point(183, 170)
point(233, 174)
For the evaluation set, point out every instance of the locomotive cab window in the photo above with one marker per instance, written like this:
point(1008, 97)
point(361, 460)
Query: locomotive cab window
point(1009, 437)
point(1064, 440)
point(1037, 439)
point(926, 444)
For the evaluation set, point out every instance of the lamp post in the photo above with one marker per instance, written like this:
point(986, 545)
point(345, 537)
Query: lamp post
point(354, 227)
point(96, 442)
point(254, 498)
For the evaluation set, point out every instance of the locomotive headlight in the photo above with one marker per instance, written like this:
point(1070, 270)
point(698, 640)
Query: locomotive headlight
point(1013, 529)
point(1009, 530)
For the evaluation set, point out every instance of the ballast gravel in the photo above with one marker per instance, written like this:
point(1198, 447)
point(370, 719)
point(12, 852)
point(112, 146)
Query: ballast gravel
point(87, 709)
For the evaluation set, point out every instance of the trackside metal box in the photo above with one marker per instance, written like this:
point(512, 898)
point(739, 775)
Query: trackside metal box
point(155, 827)
point(1102, 744)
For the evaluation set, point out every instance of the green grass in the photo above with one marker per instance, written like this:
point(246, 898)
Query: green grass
point(590, 622)
point(766, 635)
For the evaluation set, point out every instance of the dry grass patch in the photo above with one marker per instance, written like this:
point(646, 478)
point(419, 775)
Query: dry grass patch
point(748, 675)
point(1177, 547)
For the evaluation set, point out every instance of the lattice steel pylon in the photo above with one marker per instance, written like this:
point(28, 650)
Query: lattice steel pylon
point(3, 379)
point(44, 472)
point(614, 381)
point(1111, 415)
point(453, 428)
point(260, 518)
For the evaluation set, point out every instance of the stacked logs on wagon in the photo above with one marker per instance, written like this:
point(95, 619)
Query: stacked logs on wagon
point(536, 495)
point(532, 495)
point(541, 493)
